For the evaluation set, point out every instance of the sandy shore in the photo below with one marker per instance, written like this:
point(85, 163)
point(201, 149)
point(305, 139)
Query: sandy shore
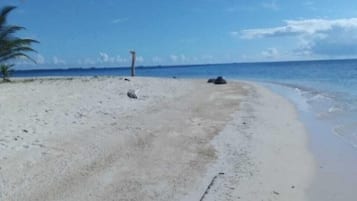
point(83, 139)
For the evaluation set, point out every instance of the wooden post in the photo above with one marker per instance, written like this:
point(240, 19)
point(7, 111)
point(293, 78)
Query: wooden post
point(133, 58)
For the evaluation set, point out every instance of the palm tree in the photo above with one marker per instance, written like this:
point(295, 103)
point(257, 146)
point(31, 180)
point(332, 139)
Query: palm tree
point(12, 47)
point(5, 71)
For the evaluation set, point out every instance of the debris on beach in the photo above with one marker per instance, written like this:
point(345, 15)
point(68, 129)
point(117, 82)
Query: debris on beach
point(132, 94)
point(276, 193)
point(218, 80)
point(211, 80)
point(210, 185)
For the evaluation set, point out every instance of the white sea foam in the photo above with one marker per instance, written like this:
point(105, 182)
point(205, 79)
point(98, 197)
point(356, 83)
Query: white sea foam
point(319, 97)
point(329, 108)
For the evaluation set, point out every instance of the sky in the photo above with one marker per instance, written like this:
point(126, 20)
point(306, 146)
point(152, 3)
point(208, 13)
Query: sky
point(100, 33)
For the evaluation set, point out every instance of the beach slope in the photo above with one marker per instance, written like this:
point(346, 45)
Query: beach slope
point(83, 139)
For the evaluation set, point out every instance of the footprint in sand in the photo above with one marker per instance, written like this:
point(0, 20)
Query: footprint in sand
point(4, 145)
point(40, 145)
point(18, 138)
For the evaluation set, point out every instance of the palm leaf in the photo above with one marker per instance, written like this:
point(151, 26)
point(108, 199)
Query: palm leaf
point(16, 55)
point(7, 55)
point(5, 71)
point(3, 14)
point(12, 47)
point(8, 30)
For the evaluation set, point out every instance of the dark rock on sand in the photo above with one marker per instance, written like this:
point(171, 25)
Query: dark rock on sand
point(211, 80)
point(220, 80)
point(132, 94)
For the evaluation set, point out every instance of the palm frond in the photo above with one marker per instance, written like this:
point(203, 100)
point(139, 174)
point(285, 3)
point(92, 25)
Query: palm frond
point(7, 55)
point(15, 43)
point(15, 56)
point(8, 30)
point(4, 12)
point(12, 47)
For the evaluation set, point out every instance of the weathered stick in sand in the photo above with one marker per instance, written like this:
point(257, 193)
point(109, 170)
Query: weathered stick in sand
point(210, 185)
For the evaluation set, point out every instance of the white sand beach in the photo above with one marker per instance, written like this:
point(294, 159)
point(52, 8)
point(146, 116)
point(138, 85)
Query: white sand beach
point(83, 139)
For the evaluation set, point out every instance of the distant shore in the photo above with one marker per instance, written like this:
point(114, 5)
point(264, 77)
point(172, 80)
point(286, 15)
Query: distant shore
point(83, 139)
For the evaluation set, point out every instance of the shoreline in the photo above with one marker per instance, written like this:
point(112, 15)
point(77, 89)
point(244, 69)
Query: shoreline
point(83, 139)
point(270, 156)
point(335, 159)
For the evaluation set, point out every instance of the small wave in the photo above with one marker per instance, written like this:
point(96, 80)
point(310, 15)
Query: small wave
point(298, 90)
point(312, 94)
point(319, 96)
point(297, 87)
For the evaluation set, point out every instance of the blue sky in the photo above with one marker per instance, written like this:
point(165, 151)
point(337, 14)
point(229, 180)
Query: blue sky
point(88, 33)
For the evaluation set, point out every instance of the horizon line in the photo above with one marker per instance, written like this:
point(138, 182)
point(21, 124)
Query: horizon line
point(184, 65)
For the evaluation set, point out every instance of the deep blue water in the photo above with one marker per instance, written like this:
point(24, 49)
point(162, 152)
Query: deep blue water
point(328, 89)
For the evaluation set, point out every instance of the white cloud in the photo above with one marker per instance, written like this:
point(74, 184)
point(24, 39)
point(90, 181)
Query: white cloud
point(140, 59)
point(180, 59)
point(174, 58)
point(335, 43)
point(40, 59)
point(121, 60)
point(271, 53)
point(58, 61)
point(312, 37)
point(104, 57)
point(300, 27)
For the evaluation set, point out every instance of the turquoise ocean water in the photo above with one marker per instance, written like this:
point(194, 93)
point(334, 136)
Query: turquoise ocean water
point(324, 93)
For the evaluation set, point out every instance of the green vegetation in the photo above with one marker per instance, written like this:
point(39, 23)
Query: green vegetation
point(5, 71)
point(12, 47)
